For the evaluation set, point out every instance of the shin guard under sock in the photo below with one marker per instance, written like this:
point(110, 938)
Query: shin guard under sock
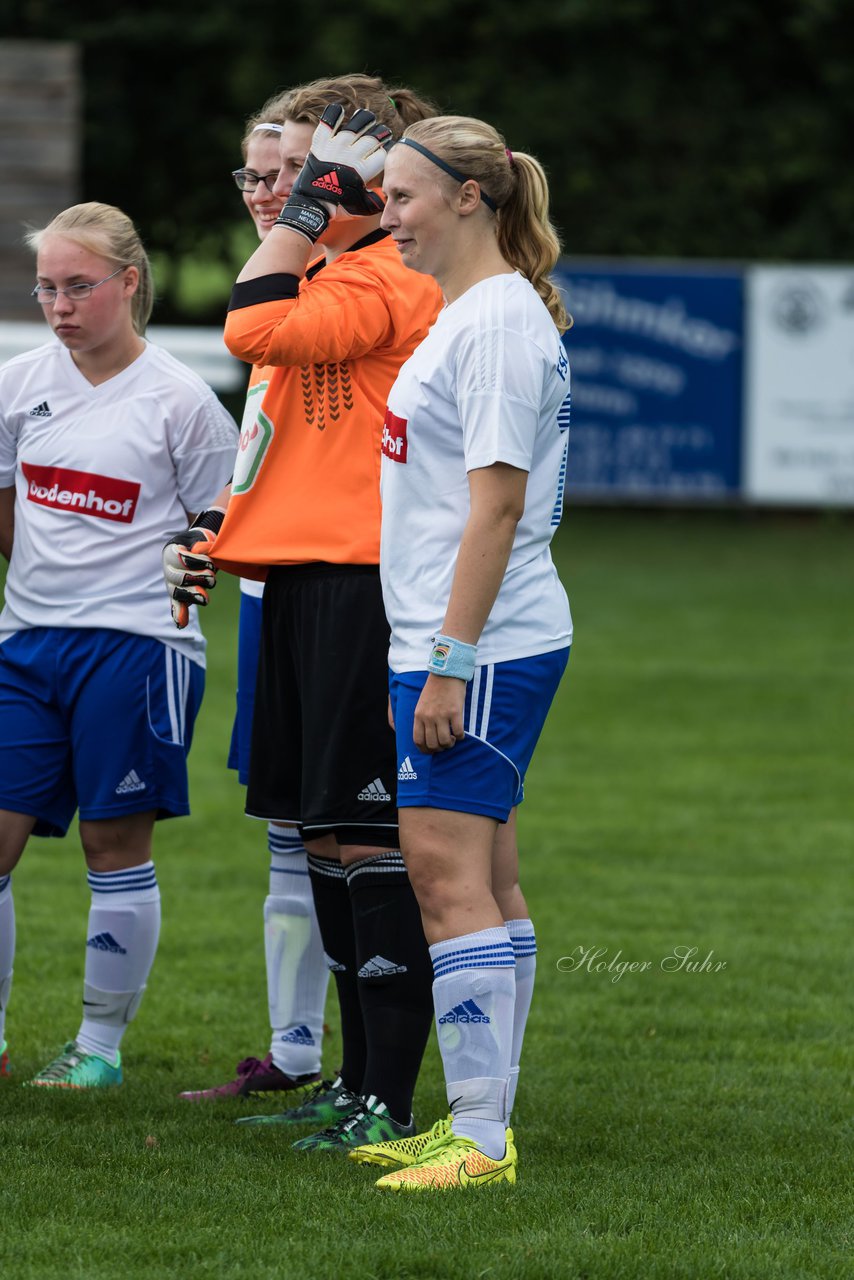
point(525, 951)
point(335, 921)
point(395, 979)
point(7, 948)
point(124, 928)
point(297, 976)
point(474, 993)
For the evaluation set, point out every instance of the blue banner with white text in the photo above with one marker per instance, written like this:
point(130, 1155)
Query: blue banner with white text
point(656, 359)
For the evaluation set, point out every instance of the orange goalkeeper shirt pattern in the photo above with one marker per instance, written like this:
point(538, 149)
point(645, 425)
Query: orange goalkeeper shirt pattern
point(306, 481)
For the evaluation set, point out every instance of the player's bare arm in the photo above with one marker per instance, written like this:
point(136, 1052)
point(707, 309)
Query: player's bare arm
point(7, 520)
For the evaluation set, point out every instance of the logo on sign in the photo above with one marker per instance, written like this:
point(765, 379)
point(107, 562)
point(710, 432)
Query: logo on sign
point(65, 490)
point(394, 437)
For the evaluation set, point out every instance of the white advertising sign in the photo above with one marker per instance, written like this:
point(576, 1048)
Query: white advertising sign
point(799, 386)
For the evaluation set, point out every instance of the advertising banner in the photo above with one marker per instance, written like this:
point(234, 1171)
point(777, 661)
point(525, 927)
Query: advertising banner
point(799, 418)
point(656, 359)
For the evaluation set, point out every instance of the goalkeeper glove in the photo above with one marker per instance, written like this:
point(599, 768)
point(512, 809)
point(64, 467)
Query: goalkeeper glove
point(343, 159)
point(190, 574)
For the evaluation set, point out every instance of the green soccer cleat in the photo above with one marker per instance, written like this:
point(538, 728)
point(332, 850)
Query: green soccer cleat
point(76, 1069)
point(369, 1123)
point(5, 1064)
point(325, 1105)
point(400, 1152)
point(450, 1163)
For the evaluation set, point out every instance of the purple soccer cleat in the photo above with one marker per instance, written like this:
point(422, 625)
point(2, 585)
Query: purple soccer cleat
point(255, 1077)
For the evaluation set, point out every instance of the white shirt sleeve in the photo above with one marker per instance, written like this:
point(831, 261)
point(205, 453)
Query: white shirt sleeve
point(8, 453)
point(204, 446)
point(499, 388)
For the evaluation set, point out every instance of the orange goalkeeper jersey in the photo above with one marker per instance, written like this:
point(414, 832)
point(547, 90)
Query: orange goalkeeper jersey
point(306, 481)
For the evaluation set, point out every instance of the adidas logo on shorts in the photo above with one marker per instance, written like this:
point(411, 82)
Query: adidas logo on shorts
point(374, 791)
point(379, 967)
point(40, 411)
point(406, 773)
point(468, 1011)
point(131, 782)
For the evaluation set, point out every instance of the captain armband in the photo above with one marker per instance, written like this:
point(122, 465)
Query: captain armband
point(450, 657)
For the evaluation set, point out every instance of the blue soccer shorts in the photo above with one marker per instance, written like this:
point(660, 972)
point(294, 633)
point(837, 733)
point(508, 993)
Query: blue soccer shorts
point(248, 648)
point(95, 720)
point(505, 710)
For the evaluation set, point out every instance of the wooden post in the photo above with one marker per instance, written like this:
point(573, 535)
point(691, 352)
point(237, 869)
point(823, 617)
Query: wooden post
point(40, 145)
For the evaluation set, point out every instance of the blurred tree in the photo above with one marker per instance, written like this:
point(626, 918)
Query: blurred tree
point(669, 129)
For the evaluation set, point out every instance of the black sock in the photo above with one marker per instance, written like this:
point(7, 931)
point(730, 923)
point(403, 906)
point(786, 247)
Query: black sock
point(335, 921)
point(395, 979)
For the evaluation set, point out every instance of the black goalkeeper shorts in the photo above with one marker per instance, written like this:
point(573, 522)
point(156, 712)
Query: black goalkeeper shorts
point(323, 754)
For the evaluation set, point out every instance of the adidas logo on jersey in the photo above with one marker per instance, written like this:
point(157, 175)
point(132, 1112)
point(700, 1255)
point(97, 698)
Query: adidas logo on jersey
point(379, 967)
point(328, 182)
point(40, 411)
point(106, 942)
point(131, 782)
point(406, 773)
point(468, 1011)
point(374, 791)
point(297, 1035)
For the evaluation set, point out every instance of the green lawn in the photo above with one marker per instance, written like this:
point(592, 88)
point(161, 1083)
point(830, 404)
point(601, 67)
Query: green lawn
point(692, 790)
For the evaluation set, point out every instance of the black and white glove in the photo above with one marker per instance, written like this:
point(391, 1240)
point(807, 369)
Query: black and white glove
point(190, 574)
point(343, 159)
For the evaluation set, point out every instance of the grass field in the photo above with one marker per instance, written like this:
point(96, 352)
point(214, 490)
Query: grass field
point(692, 790)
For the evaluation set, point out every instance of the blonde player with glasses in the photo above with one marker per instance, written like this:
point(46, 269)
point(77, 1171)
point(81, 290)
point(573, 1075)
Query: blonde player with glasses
point(105, 441)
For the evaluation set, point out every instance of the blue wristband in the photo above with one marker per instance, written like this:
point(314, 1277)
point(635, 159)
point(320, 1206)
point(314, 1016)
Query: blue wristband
point(450, 657)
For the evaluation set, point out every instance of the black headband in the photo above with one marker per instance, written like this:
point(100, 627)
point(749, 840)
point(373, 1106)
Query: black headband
point(454, 173)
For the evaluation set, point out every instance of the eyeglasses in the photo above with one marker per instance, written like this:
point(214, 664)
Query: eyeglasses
point(247, 179)
point(76, 292)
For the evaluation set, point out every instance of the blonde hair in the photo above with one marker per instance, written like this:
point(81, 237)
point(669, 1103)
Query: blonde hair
point(393, 105)
point(515, 184)
point(105, 230)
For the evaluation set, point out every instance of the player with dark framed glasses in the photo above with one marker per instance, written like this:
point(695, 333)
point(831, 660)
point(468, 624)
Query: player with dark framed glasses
point(247, 179)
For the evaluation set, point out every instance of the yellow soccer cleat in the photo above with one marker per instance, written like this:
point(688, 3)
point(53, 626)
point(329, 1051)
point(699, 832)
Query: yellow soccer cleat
point(451, 1162)
point(399, 1153)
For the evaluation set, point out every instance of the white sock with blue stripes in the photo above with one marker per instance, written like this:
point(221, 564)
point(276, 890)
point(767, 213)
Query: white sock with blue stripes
point(474, 993)
point(121, 943)
point(525, 950)
point(297, 973)
point(7, 948)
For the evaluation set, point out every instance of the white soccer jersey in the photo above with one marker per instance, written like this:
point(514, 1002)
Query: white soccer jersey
point(490, 383)
point(102, 476)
